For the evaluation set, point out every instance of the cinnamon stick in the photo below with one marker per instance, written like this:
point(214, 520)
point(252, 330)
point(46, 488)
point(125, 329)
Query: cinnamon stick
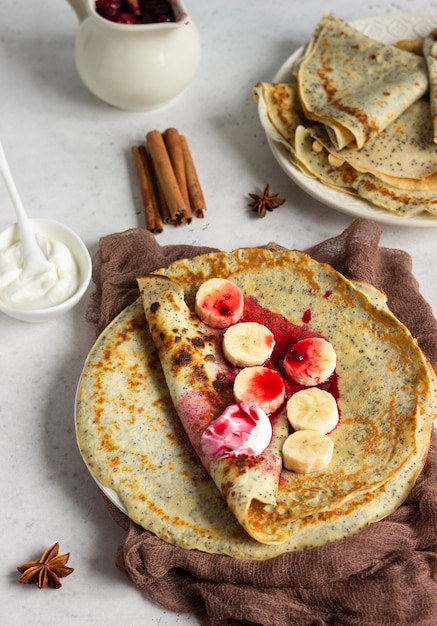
point(145, 179)
point(173, 144)
point(165, 175)
point(165, 212)
point(195, 193)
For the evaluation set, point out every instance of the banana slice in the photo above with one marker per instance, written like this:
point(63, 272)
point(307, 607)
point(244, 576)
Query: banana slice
point(248, 343)
point(262, 386)
point(310, 361)
point(313, 409)
point(307, 451)
point(219, 302)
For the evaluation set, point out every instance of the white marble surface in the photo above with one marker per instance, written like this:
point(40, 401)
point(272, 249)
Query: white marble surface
point(70, 155)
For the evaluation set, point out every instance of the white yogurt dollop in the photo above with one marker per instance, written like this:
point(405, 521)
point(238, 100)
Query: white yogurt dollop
point(19, 289)
point(241, 430)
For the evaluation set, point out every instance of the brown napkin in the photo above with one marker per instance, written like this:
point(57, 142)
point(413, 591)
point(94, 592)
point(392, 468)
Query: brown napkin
point(386, 575)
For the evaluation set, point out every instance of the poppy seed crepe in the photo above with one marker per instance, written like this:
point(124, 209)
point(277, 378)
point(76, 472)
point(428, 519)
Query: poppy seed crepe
point(133, 442)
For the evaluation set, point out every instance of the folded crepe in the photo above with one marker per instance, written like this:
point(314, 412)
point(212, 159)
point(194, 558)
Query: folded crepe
point(354, 85)
point(403, 154)
point(193, 365)
point(396, 170)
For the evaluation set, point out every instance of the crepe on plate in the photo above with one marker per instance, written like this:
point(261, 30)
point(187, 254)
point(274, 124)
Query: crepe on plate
point(396, 170)
point(342, 121)
point(355, 85)
point(132, 440)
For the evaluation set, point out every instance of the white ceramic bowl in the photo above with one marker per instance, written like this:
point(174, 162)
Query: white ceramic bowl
point(55, 231)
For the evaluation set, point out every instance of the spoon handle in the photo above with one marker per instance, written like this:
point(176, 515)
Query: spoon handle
point(12, 189)
point(32, 253)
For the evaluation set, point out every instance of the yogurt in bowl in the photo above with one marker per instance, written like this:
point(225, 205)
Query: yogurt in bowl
point(40, 297)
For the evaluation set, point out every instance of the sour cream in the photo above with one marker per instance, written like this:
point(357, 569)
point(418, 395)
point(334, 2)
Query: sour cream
point(22, 290)
point(242, 429)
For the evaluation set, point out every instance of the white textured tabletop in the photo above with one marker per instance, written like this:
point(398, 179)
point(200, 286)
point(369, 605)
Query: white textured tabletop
point(70, 156)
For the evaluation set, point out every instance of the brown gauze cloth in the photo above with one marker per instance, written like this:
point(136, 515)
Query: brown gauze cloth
point(387, 574)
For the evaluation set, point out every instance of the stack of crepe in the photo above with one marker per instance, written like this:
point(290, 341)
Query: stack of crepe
point(358, 115)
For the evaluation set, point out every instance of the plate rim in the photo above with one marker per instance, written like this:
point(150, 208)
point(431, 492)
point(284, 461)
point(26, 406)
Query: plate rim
point(333, 198)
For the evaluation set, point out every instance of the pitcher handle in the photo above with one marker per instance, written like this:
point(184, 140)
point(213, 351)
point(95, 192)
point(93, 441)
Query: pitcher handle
point(79, 7)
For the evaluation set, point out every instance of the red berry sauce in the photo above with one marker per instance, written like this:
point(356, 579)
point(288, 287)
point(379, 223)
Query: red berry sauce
point(306, 317)
point(286, 334)
point(136, 11)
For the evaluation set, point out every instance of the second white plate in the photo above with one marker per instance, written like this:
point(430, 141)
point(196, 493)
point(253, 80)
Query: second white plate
point(387, 29)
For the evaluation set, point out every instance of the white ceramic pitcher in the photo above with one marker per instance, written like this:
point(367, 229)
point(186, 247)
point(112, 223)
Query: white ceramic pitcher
point(135, 67)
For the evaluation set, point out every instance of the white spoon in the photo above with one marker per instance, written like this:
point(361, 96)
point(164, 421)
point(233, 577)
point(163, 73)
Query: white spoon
point(34, 260)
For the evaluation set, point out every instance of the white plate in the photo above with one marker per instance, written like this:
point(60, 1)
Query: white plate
point(387, 29)
point(109, 493)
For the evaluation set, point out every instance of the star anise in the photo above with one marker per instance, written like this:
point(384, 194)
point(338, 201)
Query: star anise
point(47, 571)
point(265, 202)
